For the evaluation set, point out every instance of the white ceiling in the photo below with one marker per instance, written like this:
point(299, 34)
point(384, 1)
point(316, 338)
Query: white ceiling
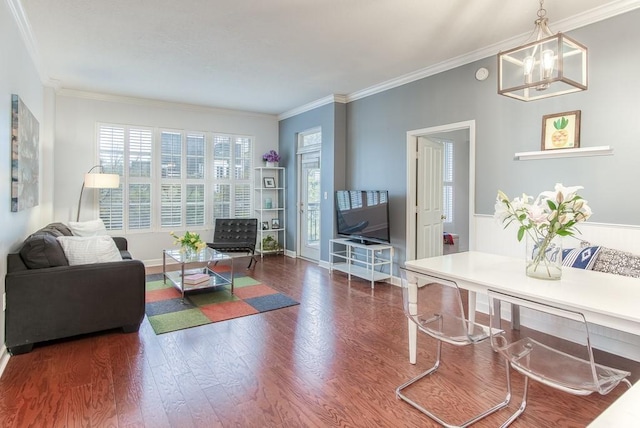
point(272, 56)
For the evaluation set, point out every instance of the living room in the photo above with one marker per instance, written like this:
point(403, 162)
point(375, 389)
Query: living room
point(364, 140)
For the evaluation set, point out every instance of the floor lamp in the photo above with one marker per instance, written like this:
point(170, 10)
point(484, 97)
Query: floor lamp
point(97, 180)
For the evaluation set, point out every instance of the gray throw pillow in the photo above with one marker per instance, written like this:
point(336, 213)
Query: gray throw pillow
point(617, 262)
point(42, 250)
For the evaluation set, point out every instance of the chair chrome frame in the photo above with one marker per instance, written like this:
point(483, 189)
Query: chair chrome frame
point(518, 354)
point(466, 333)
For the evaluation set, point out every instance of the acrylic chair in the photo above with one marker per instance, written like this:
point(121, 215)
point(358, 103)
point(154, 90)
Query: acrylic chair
point(572, 369)
point(437, 310)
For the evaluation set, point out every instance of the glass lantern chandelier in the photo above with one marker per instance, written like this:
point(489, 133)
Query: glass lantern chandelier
point(546, 65)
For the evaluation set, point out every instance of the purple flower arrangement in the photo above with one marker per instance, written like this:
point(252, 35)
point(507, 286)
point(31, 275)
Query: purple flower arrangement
point(271, 156)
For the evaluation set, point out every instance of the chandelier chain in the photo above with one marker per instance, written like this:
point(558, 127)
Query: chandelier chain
point(542, 12)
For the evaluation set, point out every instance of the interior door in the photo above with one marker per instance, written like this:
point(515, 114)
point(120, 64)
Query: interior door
point(429, 198)
point(309, 205)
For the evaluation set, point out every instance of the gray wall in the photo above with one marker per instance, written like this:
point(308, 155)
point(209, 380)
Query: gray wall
point(377, 125)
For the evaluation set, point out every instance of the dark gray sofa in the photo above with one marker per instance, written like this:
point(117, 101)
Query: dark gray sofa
point(48, 299)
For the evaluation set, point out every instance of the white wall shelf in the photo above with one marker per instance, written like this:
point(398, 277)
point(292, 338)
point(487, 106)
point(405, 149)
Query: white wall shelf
point(565, 153)
point(364, 261)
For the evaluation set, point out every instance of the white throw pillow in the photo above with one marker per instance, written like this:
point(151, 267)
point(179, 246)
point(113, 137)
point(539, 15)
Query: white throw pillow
point(88, 228)
point(82, 250)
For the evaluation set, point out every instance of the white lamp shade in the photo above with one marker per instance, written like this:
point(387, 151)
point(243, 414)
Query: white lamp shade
point(101, 181)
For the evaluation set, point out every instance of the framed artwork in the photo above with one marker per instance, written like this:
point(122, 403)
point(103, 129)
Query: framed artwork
point(269, 183)
point(561, 130)
point(275, 223)
point(265, 225)
point(25, 136)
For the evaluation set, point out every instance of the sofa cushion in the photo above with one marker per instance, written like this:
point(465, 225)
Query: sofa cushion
point(42, 250)
point(82, 250)
point(618, 262)
point(581, 258)
point(88, 228)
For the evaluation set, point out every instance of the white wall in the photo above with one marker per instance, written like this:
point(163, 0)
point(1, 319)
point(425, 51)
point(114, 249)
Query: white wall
point(19, 75)
point(77, 114)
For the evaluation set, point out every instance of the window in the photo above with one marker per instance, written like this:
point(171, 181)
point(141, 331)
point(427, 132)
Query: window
point(178, 175)
point(447, 182)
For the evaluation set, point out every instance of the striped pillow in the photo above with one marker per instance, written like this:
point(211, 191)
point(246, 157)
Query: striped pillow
point(581, 258)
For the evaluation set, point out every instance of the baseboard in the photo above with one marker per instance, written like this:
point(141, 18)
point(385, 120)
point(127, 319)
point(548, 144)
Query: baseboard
point(4, 359)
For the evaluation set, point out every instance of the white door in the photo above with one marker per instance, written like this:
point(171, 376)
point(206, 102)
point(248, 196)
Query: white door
point(429, 198)
point(309, 205)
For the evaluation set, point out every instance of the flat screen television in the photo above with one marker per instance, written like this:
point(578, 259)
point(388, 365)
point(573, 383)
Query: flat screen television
point(363, 215)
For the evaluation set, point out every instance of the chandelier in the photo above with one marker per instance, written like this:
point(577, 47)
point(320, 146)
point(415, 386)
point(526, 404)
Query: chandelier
point(546, 65)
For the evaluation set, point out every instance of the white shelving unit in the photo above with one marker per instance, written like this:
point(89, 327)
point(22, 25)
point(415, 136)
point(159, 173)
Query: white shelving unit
point(364, 261)
point(270, 206)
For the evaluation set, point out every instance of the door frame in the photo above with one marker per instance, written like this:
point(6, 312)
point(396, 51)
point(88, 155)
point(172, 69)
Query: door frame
point(412, 136)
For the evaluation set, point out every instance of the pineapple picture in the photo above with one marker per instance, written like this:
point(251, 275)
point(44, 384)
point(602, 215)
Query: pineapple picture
point(561, 130)
point(560, 136)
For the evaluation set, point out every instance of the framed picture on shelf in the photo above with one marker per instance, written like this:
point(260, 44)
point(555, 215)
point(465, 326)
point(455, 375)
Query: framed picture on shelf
point(265, 225)
point(275, 223)
point(561, 130)
point(269, 182)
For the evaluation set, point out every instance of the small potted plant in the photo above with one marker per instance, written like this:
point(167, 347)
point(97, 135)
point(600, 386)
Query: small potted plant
point(269, 243)
point(271, 158)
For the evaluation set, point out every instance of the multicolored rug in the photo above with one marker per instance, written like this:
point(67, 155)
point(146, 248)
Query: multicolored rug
point(167, 312)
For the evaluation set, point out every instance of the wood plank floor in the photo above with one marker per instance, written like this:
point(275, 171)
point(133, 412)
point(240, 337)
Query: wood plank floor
point(333, 361)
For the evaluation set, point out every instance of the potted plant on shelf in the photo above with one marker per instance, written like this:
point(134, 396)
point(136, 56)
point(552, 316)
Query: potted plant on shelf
point(269, 243)
point(271, 158)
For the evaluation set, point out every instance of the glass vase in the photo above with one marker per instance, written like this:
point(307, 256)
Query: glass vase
point(544, 257)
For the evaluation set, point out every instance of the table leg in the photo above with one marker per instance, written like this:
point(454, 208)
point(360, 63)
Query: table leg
point(515, 317)
point(413, 342)
point(496, 310)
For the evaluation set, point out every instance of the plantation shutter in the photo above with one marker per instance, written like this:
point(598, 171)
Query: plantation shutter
point(140, 161)
point(111, 158)
point(171, 178)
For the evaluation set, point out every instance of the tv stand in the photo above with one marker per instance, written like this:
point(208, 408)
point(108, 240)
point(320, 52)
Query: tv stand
point(362, 241)
point(367, 260)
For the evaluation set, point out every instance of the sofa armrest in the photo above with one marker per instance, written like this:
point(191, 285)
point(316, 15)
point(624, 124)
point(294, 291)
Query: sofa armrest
point(121, 243)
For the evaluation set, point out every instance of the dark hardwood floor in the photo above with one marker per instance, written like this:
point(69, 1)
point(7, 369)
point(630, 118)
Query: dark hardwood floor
point(333, 361)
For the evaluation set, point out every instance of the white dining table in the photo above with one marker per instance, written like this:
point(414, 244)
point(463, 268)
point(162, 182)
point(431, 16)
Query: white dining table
point(605, 299)
point(609, 300)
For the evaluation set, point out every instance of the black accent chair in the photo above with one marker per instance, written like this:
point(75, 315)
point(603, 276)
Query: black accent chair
point(236, 235)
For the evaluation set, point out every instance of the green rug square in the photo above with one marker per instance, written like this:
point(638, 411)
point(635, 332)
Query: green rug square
point(244, 281)
point(178, 320)
point(157, 285)
point(220, 296)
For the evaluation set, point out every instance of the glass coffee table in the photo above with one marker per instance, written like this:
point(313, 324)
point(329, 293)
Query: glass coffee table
point(195, 265)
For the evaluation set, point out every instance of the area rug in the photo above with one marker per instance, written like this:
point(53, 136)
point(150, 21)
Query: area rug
point(167, 312)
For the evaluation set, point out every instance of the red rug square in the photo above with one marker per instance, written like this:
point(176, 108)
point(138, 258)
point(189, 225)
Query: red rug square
point(253, 291)
point(227, 310)
point(162, 294)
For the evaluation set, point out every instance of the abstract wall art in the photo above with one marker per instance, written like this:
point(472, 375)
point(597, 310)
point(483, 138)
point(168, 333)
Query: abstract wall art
point(25, 134)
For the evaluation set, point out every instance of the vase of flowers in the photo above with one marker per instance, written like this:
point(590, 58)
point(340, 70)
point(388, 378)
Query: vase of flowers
point(271, 158)
point(544, 221)
point(190, 243)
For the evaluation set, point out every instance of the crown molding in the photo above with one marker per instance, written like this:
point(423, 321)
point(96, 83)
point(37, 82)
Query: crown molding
point(581, 20)
point(146, 102)
point(335, 98)
point(20, 18)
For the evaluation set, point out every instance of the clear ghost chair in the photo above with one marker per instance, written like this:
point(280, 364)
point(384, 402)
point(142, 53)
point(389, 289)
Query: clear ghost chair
point(571, 369)
point(437, 310)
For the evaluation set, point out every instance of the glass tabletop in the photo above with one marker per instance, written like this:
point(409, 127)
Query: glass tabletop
point(204, 255)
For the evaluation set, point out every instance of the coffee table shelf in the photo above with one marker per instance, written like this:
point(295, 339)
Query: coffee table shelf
point(201, 262)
